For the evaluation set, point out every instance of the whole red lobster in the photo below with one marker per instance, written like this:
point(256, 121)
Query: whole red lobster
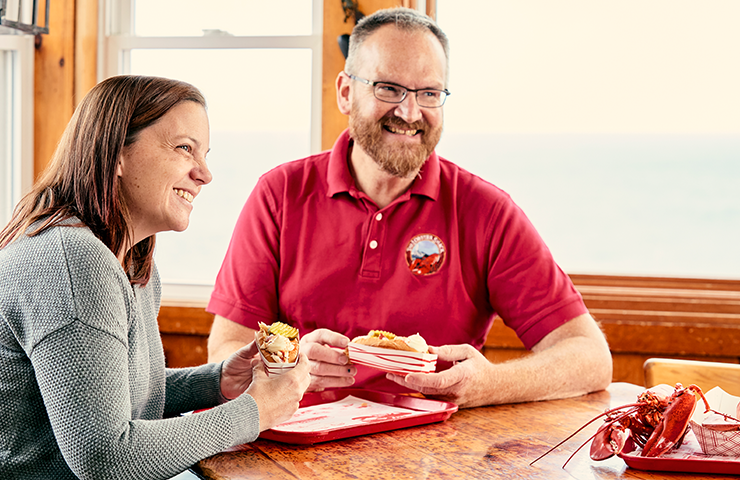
point(657, 422)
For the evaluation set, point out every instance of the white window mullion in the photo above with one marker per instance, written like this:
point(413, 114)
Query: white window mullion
point(317, 75)
point(16, 125)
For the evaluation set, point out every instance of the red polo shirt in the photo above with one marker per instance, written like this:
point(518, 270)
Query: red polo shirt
point(311, 250)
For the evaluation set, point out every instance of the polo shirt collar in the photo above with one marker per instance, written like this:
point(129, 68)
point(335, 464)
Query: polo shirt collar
point(340, 180)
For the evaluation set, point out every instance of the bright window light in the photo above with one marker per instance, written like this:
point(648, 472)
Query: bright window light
point(614, 125)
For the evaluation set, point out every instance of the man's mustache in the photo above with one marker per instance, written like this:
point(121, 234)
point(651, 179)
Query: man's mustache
point(401, 125)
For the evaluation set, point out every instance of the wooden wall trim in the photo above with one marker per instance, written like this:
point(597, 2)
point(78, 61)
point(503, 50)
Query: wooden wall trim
point(657, 282)
point(432, 8)
point(641, 317)
point(333, 121)
point(644, 317)
point(86, 48)
point(53, 82)
point(65, 70)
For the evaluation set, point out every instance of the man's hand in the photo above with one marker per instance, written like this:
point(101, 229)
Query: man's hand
point(236, 372)
point(572, 360)
point(466, 383)
point(329, 363)
point(278, 397)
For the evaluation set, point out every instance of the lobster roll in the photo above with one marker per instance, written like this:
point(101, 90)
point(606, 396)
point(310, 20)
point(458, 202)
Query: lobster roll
point(382, 339)
point(278, 342)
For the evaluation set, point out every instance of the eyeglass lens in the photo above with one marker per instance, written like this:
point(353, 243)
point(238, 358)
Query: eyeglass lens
point(394, 94)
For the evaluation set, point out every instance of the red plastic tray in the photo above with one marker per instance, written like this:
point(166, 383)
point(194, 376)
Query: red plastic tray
point(434, 411)
point(708, 464)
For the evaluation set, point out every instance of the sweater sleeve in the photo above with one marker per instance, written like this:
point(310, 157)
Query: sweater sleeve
point(89, 408)
point(193, 388)
point(83, 370)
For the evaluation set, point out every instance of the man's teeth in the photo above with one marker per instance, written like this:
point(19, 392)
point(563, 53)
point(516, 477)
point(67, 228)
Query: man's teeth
point(186, 195)
point(410, 133)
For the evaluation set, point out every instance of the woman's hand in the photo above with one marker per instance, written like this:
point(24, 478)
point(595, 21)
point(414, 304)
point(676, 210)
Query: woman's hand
point(236, 372)
point(278, 397)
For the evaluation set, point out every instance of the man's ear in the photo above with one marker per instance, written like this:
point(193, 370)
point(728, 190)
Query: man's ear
point(344, 100)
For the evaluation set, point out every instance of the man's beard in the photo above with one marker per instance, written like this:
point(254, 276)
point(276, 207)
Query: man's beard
point(399, 160)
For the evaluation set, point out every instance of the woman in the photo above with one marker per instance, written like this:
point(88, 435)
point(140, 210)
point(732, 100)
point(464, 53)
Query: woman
point(84, 389)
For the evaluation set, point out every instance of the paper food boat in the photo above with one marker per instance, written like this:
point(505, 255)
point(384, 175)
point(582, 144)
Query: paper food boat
point(393, 361)
point(708, 427)
point(276, 368)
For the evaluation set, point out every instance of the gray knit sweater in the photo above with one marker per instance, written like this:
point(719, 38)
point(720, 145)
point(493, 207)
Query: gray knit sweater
point(83, 387)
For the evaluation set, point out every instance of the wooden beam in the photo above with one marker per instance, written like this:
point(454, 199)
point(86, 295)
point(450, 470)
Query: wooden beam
point(333, 62)
point(647, 317)
point(86, 48)
point(53, 81)
point(432, 8)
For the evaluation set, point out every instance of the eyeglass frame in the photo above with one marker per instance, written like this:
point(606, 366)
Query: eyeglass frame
point(405, 92)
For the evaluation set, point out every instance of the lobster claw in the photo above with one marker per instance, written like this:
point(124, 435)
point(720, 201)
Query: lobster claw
point(672, 428)
point(608, 441)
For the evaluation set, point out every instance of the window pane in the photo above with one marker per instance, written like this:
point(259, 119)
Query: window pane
point(614, 125)
point(259, 111)
point(222, 17)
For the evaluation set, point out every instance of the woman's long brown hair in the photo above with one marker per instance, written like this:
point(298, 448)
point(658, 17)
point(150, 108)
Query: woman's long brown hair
point(81, 180)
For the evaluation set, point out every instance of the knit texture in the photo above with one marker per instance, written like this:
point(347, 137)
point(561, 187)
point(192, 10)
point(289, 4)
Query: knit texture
point(84, 392)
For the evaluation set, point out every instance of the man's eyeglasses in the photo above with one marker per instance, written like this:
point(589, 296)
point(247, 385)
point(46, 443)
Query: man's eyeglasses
point(394, 93)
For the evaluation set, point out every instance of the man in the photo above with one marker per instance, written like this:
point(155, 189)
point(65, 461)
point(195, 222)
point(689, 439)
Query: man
point(381, 233)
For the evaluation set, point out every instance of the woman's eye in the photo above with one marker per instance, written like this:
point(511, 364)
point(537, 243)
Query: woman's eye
point(185, 147)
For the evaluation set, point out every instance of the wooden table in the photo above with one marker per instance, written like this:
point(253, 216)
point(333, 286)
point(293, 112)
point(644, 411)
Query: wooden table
point(477, 443)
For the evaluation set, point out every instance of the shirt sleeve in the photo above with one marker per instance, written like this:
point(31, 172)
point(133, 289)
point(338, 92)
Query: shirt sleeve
point(527, 288)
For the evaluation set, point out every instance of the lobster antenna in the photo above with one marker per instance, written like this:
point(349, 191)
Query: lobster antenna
point(582, 427)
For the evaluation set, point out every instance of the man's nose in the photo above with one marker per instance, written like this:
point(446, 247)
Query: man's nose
point(409, 110)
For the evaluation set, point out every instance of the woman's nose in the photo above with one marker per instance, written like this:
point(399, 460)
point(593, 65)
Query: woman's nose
point(201, 173)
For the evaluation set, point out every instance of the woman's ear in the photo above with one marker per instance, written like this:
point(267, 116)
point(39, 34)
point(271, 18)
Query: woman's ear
point(344, 100)
point(119, 166)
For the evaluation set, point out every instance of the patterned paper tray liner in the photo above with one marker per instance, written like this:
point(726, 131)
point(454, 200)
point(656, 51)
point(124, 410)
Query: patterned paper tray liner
point(393, 361)
point(347, 412)
point(274, 369)
point(712, 441)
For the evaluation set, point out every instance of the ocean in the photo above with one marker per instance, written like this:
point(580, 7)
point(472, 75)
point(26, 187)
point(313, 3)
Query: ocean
point(647, 205)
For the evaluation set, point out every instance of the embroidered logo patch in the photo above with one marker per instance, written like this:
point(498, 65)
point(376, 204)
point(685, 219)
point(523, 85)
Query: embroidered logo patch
point(425, 254)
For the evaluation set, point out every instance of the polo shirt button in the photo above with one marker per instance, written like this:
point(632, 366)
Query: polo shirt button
point(373, 244)
point(379, 217)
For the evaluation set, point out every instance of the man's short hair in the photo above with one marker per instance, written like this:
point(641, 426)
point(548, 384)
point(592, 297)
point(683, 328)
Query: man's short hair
point(403, 19)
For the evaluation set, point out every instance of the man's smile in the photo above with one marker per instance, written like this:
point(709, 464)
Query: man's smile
point(400, 131)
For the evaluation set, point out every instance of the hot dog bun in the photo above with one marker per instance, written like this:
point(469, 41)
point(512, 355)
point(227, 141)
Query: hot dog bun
point(381, 339)
point(278, 342)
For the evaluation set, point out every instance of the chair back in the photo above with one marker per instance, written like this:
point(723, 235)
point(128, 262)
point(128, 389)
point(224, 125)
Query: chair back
point(706, 375)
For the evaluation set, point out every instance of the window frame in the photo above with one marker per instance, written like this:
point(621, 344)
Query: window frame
point(117, 42)
point(16, 150)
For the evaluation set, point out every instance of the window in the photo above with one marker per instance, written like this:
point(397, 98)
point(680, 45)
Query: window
point(16, 120)
point(259, 66)
point(614, 125)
